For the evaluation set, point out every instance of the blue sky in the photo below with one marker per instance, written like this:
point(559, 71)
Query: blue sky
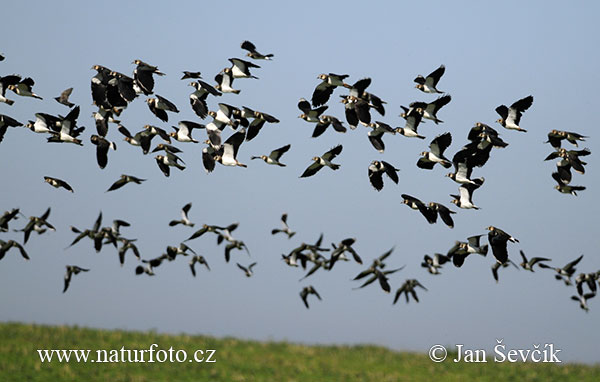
point(494, 54)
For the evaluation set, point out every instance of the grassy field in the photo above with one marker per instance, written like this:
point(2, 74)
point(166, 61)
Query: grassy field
point(238, 360)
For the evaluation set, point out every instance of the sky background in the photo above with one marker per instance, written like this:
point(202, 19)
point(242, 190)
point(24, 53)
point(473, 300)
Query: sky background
point(494, 53)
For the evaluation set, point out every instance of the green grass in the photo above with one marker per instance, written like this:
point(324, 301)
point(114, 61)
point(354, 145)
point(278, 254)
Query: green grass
point(238, 360)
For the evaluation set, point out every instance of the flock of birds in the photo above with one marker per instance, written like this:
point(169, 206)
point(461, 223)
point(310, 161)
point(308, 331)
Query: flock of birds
point(113, 91)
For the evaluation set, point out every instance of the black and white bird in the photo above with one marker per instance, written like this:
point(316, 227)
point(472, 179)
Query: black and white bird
point(308, 113)
point(409, 287)
point(498, 240)
point(511, 116)
point(5, 123)
point(57, 183)
point(38, 224)
point(418, 205)
point(65, 130)
point(357, 110)
point(159, 107)
point(436, 154)
point(253, 53)
point(376, 171)
point(428, 84)
point(227, 155)
point(465, 197)
point(188, 74)
point(555, 137)
point(199, 96)
point(224, 82)
point(247, 270)
point(528, 264)
point(305, 292)
point(582, 299)
point(430, 109)
point(72, 270)
point(323, 91)
point(197, 259)
point(274, 156)
point(183, 131)
point(241, 68)
point(165, 162)
point(260, 118)
point(24, 88)
point(6, 217)
point(5, 246)
point(444, 212)
point(63, 98)
point(433, 264)
point(375, 135)
point(184, 217)
point(322, 161)
point(102, 147)
point(324, 122)
point(497, 265)
point(5, 82)
point(413, 119)
point(143, 76)
point(123, 180)
point(565, 272)
point(286, 229)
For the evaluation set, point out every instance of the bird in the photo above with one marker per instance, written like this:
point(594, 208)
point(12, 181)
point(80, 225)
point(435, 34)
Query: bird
point(436, 154)
point(127, 245)
point(5, 246)
point(444, 212)
point(308, 113)
point(326, 87)
point(5, 82)
point(286, 229)
point(193, 75)
point(260, 118)
point(71, 270)
point(142, 75)
point(234, 244)
point(6, 217)
point(63, 98)
point(376, 171)
point(164, 162)
point(197, 259)
point(433, 264)
point(582, 299)
point(247, 270)
point(123, 180)
point(227, 155)
point(413, 119)
point(184, 217)
point(273, 157)
point(528, 264)
point(102, 147)
point(57, 183)
point(357, 110)
point(565, 272)
point(183, 133)
point(37, 223)
point(199, 96)
point(416, 204)
point(342, 247)
point(510, 117)
point(322, 161)
point(5, 123)
point(497, 265)
point(430, 109)
point(240, 68)
point(408, 287)
point(24, 88)
point(565, 188)
point(428, 84)
point(305, 292)
point(378, 130)
point(159, 107)
point(324, 122)
point(465, 197)
point(498, 240)
point(142, 138)
point(65, 129)
point(224, 82)
point(253, 53)
point(555, 138)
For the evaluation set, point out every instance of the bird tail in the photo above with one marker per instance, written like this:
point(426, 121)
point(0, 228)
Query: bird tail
point(9, 101)
point(236, 91)
point(335, 166)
